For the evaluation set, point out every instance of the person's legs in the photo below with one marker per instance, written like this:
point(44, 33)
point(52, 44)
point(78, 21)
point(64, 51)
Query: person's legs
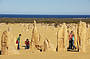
point(18, 46)
point(69, 44)
point(73, 45)
point(27, 46)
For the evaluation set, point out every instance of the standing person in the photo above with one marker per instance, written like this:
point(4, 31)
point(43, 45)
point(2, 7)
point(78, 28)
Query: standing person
point(18, 41)
point(70, 40)
point(73, 42)
point(27, 44)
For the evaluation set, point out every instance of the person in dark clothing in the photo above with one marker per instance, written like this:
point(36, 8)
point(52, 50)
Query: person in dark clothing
point(27, 44)
point(70, 40)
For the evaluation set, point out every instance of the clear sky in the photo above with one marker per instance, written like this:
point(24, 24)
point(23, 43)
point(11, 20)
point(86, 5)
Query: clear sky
point(58, 7)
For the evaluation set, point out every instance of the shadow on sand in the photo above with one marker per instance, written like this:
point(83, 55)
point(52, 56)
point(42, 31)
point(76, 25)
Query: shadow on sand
point(23, 46)
point(72, 50)
point(0, 52)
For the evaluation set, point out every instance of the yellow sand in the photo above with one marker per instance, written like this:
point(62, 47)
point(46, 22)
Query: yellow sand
point(45, 31)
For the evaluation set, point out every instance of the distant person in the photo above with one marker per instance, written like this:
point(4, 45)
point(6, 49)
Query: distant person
point(18, 41)
point(73, 42)
point(27, 44)
point(70, 40)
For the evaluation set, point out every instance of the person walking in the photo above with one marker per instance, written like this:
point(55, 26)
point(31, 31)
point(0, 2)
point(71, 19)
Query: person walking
point(18, 42)
point(70, 40)
point(73, 42)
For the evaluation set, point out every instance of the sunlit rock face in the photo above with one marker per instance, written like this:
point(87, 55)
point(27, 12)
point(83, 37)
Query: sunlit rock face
point(39, 33)
point(4, 43)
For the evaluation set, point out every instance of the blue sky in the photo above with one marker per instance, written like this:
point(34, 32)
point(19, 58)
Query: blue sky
point(58, 7)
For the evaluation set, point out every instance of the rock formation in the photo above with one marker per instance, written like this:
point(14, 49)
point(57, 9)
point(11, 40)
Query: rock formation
point(62, 37)
point(35, 36)
point(46, 45)
point(83, 35)
point(4, 43)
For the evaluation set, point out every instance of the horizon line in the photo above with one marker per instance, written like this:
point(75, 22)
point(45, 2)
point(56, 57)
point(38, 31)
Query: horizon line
point(40, 14)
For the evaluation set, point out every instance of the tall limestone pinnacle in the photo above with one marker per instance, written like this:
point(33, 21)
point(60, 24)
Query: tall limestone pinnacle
point(35, 35)
point(82, 35)
point(4, 43)
point(62, 37)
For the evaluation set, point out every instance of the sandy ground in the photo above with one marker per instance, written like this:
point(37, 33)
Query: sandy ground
point(45, 31)
point(49, 55)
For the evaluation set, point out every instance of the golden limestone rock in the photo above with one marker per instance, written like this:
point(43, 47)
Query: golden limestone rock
point(65, 36)
point(46, 45)
point(11, 43)
point(62, 37)
point(4, 43)
point(82, 35)
point(35, 36)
